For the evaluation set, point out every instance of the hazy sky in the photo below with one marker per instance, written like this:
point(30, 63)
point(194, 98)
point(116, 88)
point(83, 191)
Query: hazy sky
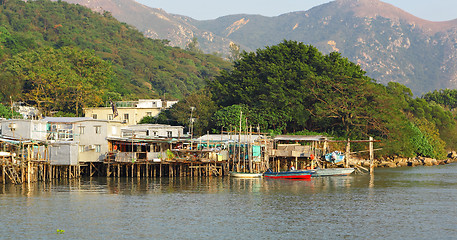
point(434, 10)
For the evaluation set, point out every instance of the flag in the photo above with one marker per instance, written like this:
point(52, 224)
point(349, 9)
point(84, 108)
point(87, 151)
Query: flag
point(113, 106)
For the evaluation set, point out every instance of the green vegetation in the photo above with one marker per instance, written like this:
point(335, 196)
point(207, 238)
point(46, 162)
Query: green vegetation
point(292, 87)
point(444, 97)
point(65, 79)
point(135, 66)
point(62, 58)
point(5, 112)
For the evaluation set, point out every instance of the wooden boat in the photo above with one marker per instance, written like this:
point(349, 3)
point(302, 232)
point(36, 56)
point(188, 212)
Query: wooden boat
point(245, 175)
point(292, 174)
point(322, 172)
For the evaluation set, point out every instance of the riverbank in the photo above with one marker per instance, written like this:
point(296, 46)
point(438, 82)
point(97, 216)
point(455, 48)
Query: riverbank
point(394, 162)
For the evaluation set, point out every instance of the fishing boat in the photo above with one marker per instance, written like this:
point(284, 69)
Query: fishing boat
point(245, 175)
point(322, 172)
point(292, 174)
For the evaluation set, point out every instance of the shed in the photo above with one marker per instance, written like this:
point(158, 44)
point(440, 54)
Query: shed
point(64, 153)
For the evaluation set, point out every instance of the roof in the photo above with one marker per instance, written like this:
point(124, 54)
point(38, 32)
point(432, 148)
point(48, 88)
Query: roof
point(66, 119)
point(145, 127)
point(226, 138)
point(300, 138)
point(13, 141)
point(136, 140)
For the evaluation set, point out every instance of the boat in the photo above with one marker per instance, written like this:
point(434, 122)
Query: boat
point(292, 174)
point(323, 172)
point(245, 175)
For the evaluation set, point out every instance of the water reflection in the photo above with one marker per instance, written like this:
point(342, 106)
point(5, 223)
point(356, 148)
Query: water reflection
point(392, 203)
point(202, 185)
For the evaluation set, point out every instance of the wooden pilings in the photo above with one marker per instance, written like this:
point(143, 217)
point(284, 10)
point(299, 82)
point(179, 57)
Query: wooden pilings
point(165, 169)
point(34, 171)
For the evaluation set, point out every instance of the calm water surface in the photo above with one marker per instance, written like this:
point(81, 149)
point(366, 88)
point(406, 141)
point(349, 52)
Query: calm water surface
point(404, 203)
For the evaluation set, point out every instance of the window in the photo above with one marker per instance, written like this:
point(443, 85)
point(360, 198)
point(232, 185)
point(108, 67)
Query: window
point(81, 148)
point(110, 117)
point(169, 134)
point(98, 129)
point(126, 117)
point(81, 130)
point(149, 114)
point(98, 148)
point(94, 116)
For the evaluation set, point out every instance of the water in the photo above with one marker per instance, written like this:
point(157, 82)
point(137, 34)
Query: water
point(404, 203)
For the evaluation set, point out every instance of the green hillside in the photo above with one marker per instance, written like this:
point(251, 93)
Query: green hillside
point(140, 67)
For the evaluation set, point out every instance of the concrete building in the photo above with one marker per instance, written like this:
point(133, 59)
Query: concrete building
point(153, 131)
point(24, 129)
point(27, 112)
point(89, 134)
point(145, 142)
point(130, 112)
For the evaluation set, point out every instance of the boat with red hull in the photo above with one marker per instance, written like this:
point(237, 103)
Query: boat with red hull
point(292, 174)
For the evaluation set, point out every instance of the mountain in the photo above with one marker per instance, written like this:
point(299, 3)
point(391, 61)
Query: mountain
point(143, 67)
point(158, 24)
point(389, 43)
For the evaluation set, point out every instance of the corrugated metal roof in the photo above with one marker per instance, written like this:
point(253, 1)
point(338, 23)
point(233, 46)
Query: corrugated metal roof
point(13, 141)
point(226, 138)
point(300, 138)
point(66, 119)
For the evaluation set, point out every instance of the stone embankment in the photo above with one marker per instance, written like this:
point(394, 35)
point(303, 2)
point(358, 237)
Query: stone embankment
point(404, 162)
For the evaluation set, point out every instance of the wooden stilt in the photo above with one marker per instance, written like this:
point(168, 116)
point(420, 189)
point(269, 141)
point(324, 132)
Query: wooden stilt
point(371, 155)
point(348, 150)
point(147, 169)
point(138, 170)
point(3, 173)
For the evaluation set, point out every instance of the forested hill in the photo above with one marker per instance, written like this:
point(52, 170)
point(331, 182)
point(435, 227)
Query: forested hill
point(138, 66)
point(387, 42)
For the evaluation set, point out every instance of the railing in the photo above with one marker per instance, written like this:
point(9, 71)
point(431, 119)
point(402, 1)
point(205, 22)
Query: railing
point(129, 156)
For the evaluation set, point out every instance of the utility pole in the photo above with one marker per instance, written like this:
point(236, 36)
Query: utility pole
point(11, 100)
point(191, 127)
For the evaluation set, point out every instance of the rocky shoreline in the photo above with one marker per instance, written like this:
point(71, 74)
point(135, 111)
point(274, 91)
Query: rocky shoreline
point(404, 162)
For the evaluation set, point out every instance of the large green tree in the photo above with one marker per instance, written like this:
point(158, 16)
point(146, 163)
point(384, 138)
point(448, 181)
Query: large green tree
point(292, 86)
point(65, 79)
point(144, 67)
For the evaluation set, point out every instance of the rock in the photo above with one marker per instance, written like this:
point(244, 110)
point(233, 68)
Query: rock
point(391, 165)
point(452, 154)
point(429, 161)
point(365, 164)
point(416, 162)
point(402, 164)
point(388, 164)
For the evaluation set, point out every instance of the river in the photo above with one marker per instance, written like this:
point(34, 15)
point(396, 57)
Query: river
point(401, 203)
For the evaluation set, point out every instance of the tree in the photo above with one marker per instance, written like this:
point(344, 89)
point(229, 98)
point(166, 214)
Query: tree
point(292, 87)
point(235, 52)
point(65, 79)
point(229, 117)
point(204, 108)
point(5, 112)
point(193, 46)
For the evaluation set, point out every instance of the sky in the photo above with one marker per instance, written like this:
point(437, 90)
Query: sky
point(433, 10)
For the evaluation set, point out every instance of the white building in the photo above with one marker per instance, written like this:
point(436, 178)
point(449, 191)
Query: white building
point(130, 112)
point(89, 134)
point(24, 129)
